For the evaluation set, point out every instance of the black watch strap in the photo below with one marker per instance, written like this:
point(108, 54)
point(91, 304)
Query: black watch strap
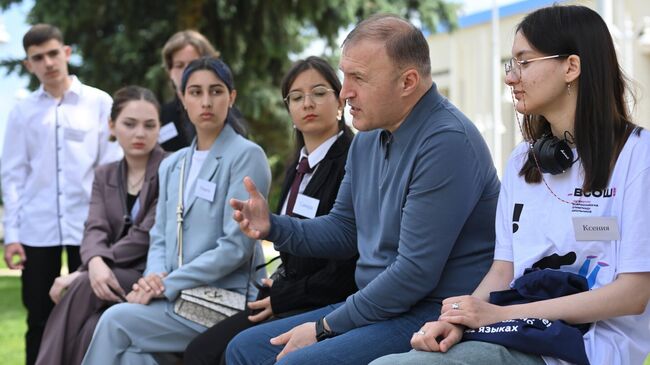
point(321, 332)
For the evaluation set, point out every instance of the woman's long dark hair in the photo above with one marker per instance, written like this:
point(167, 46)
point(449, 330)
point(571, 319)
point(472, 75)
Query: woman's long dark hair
point(324, 69)
point(602, 120)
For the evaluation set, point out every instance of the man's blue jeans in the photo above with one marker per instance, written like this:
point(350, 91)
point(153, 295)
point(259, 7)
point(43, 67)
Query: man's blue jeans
point(358, 346)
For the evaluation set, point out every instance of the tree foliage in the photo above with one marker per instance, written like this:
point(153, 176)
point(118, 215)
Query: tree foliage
point(119, 42)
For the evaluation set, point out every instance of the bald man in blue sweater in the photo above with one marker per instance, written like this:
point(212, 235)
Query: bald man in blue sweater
point(418, 202)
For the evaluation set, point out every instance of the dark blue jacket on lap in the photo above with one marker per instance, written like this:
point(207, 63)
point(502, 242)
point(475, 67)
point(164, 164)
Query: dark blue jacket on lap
point(534, 335)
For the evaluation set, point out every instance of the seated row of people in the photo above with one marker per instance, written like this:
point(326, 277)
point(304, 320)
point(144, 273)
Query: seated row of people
point(409, 211)
point(116, 245)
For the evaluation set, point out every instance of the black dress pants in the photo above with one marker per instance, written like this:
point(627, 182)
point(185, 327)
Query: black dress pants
point(209, 347)
point(42, 266)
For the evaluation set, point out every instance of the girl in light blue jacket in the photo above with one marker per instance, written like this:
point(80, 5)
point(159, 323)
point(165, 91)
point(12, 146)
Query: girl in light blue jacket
point(213, 251)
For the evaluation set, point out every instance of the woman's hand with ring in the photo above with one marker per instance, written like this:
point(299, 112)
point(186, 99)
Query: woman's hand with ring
point(471, 312)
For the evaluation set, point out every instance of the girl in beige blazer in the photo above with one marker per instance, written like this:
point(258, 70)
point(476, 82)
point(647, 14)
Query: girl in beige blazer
point(116, 235)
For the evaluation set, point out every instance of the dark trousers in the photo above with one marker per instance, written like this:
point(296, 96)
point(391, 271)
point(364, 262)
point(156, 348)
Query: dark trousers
point(42, 266)
point(209, 347)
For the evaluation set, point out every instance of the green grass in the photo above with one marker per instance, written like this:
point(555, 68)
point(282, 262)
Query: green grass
point(2, 260)
point(12, 322)
point(12, 317)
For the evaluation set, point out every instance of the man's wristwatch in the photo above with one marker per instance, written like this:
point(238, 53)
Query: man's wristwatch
point(321, 332)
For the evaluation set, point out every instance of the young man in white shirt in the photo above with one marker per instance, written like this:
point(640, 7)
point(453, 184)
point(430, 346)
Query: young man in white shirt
point(54, 139)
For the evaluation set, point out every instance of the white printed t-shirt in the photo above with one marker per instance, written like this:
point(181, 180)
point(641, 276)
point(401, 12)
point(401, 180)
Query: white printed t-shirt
point(535, 229)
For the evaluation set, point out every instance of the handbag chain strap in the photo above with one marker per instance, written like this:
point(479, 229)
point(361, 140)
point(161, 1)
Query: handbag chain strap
point(179, 228)
point(179, 215)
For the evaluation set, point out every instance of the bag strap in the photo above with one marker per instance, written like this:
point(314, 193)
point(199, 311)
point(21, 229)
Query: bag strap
point(258, 267)
point(250, 276)
point(179, 214)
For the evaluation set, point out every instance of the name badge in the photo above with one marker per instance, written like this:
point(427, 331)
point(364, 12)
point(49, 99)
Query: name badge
point(167, 132)
point(72, 134)
point(306, 206)
point(596, 229)
point(205, 189)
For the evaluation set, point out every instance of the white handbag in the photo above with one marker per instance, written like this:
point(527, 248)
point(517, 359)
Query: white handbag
point(205, 305)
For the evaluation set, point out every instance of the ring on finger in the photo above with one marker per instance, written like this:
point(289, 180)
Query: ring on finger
point(455, 306)
point(420, 332)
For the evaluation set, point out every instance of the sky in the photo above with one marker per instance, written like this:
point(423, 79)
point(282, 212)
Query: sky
point(14, 20)
point(11, 85)
point(472, 6)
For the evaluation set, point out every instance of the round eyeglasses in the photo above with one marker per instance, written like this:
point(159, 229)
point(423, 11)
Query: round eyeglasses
point(318, 95)
point(514, 64)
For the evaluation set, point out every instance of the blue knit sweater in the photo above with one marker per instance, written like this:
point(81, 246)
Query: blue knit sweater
point(418, 204)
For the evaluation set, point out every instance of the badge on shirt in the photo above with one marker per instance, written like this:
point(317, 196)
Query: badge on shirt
point(596, 229)
point(167, 132)
point(205, 189)
point(306, 206)
point(72, 134)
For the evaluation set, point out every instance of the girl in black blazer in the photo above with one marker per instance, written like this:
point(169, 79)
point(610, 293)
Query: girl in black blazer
point(311, 93)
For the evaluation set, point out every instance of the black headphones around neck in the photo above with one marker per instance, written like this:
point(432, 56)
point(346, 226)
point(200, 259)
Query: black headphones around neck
point(553, 155)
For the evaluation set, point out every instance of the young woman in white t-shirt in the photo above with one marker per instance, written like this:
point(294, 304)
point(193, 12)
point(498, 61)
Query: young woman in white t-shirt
point(582, 209)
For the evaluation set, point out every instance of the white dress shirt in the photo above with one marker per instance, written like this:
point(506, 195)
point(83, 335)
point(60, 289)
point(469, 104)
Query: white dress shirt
point(314, 158)
point(50, 151)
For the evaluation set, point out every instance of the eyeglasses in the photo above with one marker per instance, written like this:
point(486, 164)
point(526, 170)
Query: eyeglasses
point(515, 64)
point(318, 95)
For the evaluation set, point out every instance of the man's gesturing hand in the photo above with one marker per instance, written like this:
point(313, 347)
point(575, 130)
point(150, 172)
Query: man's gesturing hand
point(252, 214)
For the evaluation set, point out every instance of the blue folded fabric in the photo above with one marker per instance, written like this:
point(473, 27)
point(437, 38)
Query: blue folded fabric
point(535, 335)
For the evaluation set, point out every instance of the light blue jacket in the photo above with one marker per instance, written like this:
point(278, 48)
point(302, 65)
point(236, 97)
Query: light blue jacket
point(215, 251)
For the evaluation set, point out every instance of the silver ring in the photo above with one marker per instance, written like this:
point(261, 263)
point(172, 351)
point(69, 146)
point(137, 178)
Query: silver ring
point(420, 332)
point(455, 306)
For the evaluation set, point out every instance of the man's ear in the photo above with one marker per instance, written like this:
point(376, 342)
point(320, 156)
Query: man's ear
point(28, 65)
point(67, 51)
point(410, 80)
